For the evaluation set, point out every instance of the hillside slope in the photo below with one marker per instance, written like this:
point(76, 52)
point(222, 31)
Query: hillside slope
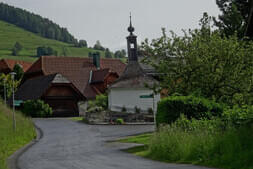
point(10, 34)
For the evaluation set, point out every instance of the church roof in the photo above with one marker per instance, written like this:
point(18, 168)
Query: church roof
point(134, 77)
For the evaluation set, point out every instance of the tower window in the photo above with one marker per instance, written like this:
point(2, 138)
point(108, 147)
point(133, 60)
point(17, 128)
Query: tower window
point(132, 46)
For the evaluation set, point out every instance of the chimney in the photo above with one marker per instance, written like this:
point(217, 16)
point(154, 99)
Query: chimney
point(96, 59)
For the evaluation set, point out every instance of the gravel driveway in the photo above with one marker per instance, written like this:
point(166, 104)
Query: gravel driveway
point(73, 145)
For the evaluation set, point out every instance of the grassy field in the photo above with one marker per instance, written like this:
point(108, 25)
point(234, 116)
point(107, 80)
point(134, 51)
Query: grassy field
point(229, 149)
point(10, 34)
point(11, 141)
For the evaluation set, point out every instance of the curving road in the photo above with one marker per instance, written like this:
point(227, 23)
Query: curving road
point(72, 145)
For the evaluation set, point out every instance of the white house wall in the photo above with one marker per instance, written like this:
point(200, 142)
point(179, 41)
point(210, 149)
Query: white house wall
point(130, 98)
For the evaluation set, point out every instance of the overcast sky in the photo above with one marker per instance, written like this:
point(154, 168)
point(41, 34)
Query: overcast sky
point(107, 20)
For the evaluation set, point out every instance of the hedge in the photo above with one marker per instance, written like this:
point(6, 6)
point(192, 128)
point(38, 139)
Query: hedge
point(170, 108)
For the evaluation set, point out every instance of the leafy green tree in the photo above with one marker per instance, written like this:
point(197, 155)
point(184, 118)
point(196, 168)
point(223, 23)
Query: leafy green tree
point(6, 80)
point(46, 51)
point(82, 43)
point(234, 17)
point(205, 62)
point(98, 46)
point(19, 72)
point(16, 49)
point(120, 53)
point(108, 53)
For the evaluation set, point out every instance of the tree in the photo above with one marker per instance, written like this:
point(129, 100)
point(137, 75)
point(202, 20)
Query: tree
point(16, 49)
point(108, 53)
point(19, 72)
point(98, 46)
point(82, 43)
point(203, 62)
point(120, 53)
point(234, 17)
point(46, 51)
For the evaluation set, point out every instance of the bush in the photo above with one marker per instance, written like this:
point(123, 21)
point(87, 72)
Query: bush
point(204, 142)
point(170, 108)
point(119, 121)
point(102, 101)
point(239, 115)
point(36, 108)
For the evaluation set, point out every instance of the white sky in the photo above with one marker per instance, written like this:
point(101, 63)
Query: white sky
point(107, 20)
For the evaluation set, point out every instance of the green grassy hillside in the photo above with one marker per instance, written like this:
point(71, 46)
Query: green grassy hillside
point(10, 34)
point(11, 141)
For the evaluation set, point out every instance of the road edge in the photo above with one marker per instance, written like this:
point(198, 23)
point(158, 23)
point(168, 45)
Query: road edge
point(12, 161)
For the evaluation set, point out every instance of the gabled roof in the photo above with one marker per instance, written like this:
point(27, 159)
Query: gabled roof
point(36, 87)
point(9, 64)
point(134, 77)
point(75, 69)
point(98, 76)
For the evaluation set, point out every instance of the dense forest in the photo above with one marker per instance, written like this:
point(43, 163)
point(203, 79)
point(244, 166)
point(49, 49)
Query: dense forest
point(35, 23)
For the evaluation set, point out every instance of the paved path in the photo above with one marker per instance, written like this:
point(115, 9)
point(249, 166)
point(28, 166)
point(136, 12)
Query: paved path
point(72, 145)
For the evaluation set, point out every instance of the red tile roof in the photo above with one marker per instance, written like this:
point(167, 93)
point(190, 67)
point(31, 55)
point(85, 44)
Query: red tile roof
point(75, 69)
point(9, 64)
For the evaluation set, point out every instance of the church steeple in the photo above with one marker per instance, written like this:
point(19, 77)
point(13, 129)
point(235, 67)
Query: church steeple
point(132, 44)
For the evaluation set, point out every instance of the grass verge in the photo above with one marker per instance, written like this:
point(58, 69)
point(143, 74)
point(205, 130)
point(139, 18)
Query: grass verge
point(11, 141)
point(204, 144)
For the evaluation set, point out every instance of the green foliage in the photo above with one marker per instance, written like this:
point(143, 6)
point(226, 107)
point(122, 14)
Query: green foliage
point(170, 108)
point(108, 53)
point(16, 49)
point(11, 141)
point(123, 109)
point(120, 53)
point(119, 121)
point(100, 104)
point(234, 17)
point(19, 72)
point(137, 110)
point(36, 108)
point(35, 23)
point(202, 60)
point(6, 80)
point(82, 43)
point(46, 51)
point(204, 142)
point(239, 115)
point(98, 46)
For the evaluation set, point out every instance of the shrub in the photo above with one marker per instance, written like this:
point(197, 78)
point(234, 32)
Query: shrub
point(36, 108)
point(102, 101)
point(119, 121)
point(204, 142)
point(239, 115)
point(170, 108)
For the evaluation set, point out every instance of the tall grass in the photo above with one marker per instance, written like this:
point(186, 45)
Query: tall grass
point(10, 140)
point(205, 142)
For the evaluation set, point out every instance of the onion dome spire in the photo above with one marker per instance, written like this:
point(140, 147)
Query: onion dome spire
point(131, 28)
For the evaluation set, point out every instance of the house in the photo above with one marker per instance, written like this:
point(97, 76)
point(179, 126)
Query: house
point(132, 90)
point(86, 76)
point(55, 90)
point(7, 65)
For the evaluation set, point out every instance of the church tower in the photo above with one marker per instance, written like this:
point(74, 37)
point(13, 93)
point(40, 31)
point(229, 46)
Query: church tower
point(132, 44)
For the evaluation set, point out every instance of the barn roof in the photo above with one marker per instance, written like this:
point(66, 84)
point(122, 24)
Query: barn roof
point(134, 77)
point(36, 87)
point(77, 70)
point(9, 64)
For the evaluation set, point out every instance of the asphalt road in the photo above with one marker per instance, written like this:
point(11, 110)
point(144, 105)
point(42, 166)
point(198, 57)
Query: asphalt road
point(72, 145)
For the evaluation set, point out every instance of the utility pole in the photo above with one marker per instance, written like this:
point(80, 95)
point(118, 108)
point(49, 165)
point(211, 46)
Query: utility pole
point(5, 90)
point(13, 99)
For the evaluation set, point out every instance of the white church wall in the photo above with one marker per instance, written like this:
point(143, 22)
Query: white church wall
point(130, 98)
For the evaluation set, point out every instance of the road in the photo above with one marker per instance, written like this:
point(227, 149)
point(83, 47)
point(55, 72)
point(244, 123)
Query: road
point(73, 145)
